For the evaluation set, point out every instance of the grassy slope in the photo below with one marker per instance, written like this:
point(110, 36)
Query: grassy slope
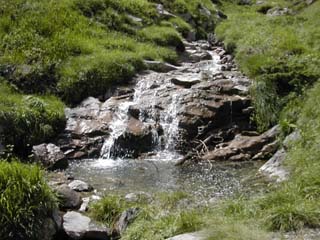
point(281, 53)
point(79, 48)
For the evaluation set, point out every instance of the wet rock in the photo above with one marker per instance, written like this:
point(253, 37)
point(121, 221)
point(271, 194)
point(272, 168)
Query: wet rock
point(50, 156)
point(267, 151)
point(80, 186)
point(190, 236)
point(69, 199)
point(125, 219)
point(159, 66)
point(197, 56)
point(136, 139)
point(242, 147)
point(78, 226)
point(187, 83)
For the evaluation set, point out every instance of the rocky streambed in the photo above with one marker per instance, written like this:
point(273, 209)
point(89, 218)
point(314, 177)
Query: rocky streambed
point(172, 128)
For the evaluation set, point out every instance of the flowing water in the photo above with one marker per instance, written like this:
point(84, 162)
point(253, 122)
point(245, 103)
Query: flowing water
point(156, 171)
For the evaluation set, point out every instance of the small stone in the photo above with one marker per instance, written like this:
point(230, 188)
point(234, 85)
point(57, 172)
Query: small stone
point(85, 204)
point(80, 186)
point(69, 199)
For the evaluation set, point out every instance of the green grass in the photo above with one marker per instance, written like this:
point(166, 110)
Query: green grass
point(28, 119)
point(280, 53)
point(161, 218)
point(25, 201)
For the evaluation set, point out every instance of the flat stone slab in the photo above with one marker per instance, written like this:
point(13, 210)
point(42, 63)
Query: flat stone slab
point(189, 236)
point(78, 226)
point(80, 186)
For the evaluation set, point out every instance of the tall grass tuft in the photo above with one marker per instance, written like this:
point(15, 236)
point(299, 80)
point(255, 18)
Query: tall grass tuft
point(25, 201)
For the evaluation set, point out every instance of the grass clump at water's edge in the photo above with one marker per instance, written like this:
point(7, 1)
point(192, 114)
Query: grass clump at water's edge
point(25, 201)
point(160, 216)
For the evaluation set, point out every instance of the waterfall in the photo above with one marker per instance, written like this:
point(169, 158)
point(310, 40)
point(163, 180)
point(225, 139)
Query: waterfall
point(159, 102)
point(117, 128)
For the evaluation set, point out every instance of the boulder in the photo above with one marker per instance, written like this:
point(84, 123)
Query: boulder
point(125, 219)
point(69, 199)
point(187, 83)
point(136, 139)
point(78, 226)
point(50, 156)
point(274, 169)
point(80, 186)
point(190, 236)
point(243, 147)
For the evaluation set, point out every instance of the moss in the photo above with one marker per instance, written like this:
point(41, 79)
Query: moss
point(25, 201)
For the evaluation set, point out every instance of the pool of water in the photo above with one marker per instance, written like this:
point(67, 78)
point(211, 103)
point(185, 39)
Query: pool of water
point(208, 180)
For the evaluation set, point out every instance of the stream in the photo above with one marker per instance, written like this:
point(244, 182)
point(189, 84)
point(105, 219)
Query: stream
point(143, 129)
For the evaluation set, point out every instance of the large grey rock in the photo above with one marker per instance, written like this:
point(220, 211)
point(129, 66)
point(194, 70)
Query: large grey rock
point(69, 199)
point(136, 139)
point(50, 156)
point(80, 186)
point(190, 236)
point(274, 169)
point(78, 226)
